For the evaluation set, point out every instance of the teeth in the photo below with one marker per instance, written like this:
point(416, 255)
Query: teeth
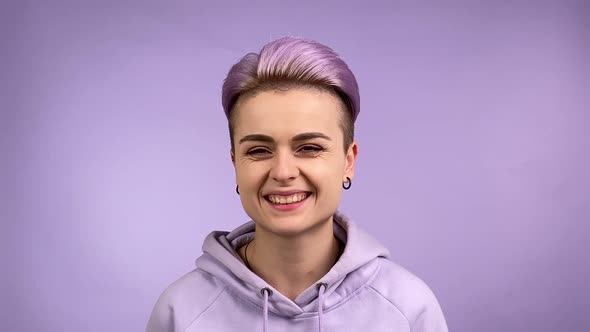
point(277, 199)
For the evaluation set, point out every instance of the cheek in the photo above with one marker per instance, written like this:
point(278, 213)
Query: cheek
point(327, 176)
point(250, 175)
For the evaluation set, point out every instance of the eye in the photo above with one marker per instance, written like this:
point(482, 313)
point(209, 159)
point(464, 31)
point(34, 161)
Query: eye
point(311, 149)
point(257, 152)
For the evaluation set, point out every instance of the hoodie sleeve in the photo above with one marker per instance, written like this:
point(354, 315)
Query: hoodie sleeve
point(431, 318)
point(162, 317)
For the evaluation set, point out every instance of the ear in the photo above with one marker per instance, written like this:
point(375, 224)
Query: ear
point(350, 160)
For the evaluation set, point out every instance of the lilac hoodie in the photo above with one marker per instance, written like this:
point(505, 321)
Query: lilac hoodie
point(364, 291)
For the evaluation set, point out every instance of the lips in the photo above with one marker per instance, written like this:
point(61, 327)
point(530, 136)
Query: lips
point(285, 193)
point(287, 203)
point(286, 198)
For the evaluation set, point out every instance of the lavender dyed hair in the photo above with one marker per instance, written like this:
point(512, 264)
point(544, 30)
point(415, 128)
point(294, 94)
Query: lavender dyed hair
point(291, 62)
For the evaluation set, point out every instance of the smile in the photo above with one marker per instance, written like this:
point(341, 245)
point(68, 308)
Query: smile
point(287, 202)
point(280, 199)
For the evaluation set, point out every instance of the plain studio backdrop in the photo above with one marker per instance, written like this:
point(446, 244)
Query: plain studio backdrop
point(473, 164)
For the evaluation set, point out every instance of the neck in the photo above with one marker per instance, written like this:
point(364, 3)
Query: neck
point(293, 264)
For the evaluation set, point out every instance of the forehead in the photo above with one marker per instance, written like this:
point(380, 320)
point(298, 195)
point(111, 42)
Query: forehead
point(288, 112)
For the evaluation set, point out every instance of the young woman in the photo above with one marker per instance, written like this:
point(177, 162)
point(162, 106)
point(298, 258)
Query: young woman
point(299, 265)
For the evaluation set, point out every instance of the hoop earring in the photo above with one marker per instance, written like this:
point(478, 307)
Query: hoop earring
point(238, 189)
point(348, 184)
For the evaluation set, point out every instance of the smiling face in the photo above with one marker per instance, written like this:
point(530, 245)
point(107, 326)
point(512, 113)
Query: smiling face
point(289, 158)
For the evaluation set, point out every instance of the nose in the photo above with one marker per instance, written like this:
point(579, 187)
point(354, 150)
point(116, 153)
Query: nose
point(284, 167)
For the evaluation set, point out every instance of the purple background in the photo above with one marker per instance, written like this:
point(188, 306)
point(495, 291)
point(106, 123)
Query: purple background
point(473, 169)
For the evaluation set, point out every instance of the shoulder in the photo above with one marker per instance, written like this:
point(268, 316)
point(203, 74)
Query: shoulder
point(409, 294)
point(183, 301)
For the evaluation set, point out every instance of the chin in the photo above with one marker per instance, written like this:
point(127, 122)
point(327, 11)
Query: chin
point(289, 226)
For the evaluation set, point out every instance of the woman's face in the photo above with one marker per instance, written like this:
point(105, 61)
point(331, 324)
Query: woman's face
point(289, 149)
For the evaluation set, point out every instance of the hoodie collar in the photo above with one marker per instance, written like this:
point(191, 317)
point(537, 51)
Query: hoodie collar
point(222, 261)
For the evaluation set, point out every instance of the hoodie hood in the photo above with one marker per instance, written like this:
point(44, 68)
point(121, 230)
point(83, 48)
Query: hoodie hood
point(221, 260)
point(363, 291)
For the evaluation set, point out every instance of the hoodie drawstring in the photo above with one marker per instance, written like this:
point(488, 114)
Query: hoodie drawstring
point(267, 292)
point(322, 289)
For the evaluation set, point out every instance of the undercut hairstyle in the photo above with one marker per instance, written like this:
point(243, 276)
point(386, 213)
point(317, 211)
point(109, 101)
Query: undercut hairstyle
point(289, 63)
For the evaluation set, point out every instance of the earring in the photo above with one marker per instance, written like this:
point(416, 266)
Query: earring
point(238, 189)
point(346, 185)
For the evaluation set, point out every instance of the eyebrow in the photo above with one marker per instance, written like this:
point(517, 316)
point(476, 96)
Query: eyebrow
point(296, 138)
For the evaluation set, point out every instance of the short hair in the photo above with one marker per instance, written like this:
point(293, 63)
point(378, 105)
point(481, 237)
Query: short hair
point(292, 62)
